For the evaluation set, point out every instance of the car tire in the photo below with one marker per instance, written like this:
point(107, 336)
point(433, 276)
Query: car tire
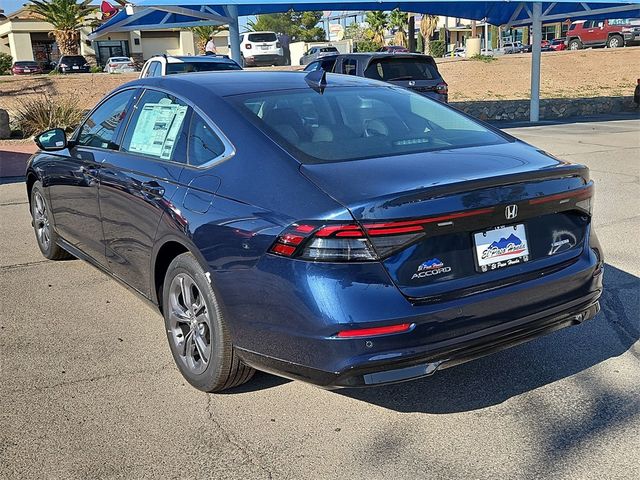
point(46, 236)
point(197, 333)
point(575, 44)
point(615, 41)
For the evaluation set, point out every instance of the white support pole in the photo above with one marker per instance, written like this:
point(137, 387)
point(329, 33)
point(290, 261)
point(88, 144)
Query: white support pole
point(486, 35)
point(534, 107)
point(234, 33)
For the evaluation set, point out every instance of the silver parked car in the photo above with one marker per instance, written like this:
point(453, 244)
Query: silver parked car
point(316, 52)
point(119, 65)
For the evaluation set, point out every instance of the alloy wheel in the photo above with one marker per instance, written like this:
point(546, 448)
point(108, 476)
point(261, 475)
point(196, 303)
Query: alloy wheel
point(189, 323)
point(41, 221)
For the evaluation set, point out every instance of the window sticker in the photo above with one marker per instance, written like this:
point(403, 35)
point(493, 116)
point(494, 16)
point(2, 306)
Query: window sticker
point(157, 129)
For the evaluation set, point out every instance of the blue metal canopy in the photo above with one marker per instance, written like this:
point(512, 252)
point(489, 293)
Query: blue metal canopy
point(167, 14)
point(163, 14)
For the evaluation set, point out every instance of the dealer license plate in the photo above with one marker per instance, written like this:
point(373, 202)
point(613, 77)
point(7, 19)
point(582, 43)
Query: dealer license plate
point(501, 247)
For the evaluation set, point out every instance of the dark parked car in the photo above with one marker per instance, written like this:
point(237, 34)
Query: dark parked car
point(26, 68)
point(328, 228)
point(410, 70)
point(394, 49)
point(73, 64)
point(316, 52)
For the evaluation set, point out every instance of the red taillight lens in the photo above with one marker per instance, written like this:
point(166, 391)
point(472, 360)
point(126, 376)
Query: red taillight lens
point(350, 242)
point(372, 332)
point(112, 65)
point(442, 88)
point(247, 46)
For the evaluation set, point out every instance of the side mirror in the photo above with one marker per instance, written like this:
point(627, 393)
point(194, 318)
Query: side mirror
point(52, 140)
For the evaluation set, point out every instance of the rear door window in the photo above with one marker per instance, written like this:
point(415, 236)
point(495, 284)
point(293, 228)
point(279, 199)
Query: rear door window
point(204, 143)
point(157, 128)
point(154, 70)
point(389, 69)
point(350, 66)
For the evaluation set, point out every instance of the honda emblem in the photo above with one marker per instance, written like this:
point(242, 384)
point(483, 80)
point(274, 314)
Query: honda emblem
point(511, 212)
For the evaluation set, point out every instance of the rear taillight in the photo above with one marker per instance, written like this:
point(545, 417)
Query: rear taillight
point(350, 242)
point(247, 46)
point(112, 65)
point(278, 45)
point(582, 196)
point(442, 88)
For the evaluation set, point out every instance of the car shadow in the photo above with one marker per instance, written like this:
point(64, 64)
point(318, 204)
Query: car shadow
point(12, 165)
point(494, 379)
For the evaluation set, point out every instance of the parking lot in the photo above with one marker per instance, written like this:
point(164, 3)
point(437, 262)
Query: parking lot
point(88, 387)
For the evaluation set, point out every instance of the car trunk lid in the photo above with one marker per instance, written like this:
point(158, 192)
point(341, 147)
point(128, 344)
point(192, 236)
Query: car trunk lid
point(451, 206)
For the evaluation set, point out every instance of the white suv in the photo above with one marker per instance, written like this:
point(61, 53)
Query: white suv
point(261, 48)
point(162, 65)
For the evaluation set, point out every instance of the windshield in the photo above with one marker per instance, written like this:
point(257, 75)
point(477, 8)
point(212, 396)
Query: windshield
point(120, 59)
point(189, 67)
point(262, 37)
point(26, 64)
point(347, 123)
point(393, 68)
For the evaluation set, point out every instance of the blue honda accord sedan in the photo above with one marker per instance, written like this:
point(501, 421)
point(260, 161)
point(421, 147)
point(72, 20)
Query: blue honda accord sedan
point(321, 227)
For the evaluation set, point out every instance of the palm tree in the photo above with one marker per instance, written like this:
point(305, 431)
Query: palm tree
point(67, 18)
point(428, 26)
point(378, 22)
point(399, 21)
point(204, 32)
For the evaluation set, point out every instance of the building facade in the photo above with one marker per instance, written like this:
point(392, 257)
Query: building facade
point(25, 36)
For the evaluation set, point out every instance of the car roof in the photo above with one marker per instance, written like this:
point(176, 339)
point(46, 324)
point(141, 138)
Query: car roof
point(193, 58)
point(386, 55)
point(237, 82)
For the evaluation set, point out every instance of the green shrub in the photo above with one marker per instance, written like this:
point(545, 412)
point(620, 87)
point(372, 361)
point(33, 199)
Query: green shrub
point(367, 46)
point(95, 69)
point(54, 72)
point(483, 58)
point(6, 61)
point(437, 48)
point(44, 111)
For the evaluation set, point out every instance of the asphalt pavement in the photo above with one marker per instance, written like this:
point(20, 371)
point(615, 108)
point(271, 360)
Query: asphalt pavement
point(88, 388)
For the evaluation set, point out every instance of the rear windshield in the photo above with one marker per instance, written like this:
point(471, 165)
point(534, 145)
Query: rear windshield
point(26, 64)
point(393, 68)
point(120, 59)
point(262, 37)
point(189, 67)
point(350, 123)
point(74, 59)
point(328, 49)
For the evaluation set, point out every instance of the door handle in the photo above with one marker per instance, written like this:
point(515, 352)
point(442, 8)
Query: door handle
point(92, 170)
point(153, 188)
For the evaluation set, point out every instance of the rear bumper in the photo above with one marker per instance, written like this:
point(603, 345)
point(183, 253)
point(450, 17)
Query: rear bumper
point(289, 324)
point(436, 357)
point(264, 59)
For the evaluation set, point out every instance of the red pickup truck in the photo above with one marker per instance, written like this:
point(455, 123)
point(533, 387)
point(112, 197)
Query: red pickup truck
point(611, 33)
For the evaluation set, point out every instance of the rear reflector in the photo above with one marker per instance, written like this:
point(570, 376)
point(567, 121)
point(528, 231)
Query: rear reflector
point(371, 332)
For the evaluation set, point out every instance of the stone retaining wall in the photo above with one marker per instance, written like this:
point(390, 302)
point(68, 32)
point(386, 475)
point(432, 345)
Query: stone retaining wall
point(549, 108)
